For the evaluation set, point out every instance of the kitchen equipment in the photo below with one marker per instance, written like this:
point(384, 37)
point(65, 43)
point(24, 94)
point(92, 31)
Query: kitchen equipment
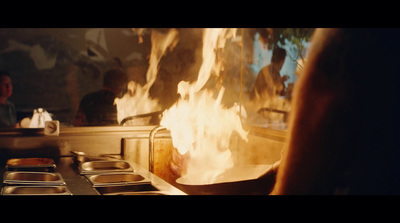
point(126, 189)
point(146, 193)
point(151, 146)
point(35, 190)
point(32, 164)
point(51, 128)
point(104, 166)
point(32, 178)
point(236, 181)
point(81, 157)
point(110, 179)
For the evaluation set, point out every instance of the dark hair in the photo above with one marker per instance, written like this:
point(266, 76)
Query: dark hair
point(114, 78)
point(4, 73)
point(279, 54)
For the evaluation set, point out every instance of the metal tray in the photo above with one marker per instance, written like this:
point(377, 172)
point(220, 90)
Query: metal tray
point(30, 164)
point(104, 166)
point(86, 158)
point(122, 189)
point(32, 178)
point(109, 179)
point(146, 193)
point(35, 190)
point(81, 157)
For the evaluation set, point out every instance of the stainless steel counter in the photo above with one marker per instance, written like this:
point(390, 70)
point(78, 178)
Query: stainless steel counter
point(79, 185)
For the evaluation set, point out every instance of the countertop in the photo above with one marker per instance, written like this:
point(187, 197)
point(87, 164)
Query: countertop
point(79, 185)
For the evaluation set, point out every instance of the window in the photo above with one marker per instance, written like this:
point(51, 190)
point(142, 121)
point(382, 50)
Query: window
point(54, 68)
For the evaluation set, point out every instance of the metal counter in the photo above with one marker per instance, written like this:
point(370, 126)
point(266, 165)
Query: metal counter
point(79, 185)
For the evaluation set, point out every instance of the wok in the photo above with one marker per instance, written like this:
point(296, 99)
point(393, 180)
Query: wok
point(246, 180)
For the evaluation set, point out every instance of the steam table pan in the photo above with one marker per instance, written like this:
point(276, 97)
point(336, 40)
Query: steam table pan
point(114, 179)
point(125, 189)
point(146, 193)
point(87, 158)
point(32, 178)
point(104, 166)
point(32, 164)
point(35, 190)
point(81, 157)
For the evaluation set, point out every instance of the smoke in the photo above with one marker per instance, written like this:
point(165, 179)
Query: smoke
point(137, 100)
point(200, 125)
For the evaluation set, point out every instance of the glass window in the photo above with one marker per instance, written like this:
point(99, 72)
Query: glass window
point(278, 55)
point(54, 68)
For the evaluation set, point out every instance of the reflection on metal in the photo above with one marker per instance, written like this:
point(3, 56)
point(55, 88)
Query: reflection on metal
point(241, 73)
point(104, 166)
point(151, 146)
point(36, 190)
point(117, 179)
point(33, 178)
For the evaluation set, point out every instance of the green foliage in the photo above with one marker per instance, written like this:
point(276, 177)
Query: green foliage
point(273, 37)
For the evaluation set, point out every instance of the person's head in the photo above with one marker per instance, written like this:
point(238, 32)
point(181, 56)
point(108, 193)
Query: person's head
point(115, 80)
point(278, 57)
point(6, 87)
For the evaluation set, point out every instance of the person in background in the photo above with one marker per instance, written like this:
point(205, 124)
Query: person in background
point(97, 108)
point(344, 125)
point(8, 115)
point(269, 81)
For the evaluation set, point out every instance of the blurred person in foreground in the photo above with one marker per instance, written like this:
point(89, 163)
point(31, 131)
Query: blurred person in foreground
point(8, 115)
point(344, 126)
point(98, 108)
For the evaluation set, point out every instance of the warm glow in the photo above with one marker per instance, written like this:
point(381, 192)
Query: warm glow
point(159, 44)
point(199, 124)
point(39, 117)
point(137, 100)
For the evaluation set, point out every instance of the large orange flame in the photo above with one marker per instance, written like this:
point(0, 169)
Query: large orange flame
point(137, 100)
point(199, 124)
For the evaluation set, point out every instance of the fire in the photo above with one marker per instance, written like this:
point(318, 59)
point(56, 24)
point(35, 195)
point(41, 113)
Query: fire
point(159, 44)
point(137, 100)
point(199, 124)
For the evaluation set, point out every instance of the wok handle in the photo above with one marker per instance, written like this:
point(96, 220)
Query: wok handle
point(271, 172)
point(275, 166)
point(268, 179)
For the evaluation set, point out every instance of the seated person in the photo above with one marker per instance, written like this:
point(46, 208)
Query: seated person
point(8, 115)
point(98, 108)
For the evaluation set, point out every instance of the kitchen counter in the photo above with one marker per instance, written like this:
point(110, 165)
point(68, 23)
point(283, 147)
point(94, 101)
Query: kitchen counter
point(79, 185)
